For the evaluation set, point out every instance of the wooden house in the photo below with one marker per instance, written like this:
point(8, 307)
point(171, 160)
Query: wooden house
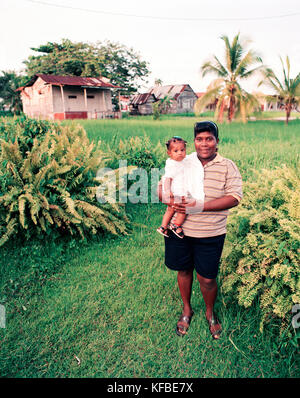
point(182, 97)
point(68, 97)
point(141, 104)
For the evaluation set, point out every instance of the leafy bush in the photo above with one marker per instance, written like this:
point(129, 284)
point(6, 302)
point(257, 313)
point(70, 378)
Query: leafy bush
point(137, 152)
point(48, 182)
point(264, 236)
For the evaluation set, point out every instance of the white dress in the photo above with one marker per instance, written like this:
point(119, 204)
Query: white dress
point(175, 170)
point(187, 176)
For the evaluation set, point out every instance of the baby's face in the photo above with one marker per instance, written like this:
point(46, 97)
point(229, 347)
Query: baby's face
point(177, 151)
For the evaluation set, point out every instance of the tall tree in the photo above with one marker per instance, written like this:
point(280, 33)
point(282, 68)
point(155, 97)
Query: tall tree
point(123, 66)
point(9, 82)
point(287, 91)
point(239, 64)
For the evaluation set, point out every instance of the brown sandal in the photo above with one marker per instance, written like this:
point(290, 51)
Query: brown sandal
point(212, 322)
point(183, 324)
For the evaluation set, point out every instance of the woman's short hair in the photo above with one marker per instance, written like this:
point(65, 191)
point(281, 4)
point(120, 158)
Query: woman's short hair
point(200, 127)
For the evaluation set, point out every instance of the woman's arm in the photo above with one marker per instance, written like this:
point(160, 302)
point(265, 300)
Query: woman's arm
point(224, 203)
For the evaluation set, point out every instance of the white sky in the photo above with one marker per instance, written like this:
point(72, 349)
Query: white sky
point(175, 49)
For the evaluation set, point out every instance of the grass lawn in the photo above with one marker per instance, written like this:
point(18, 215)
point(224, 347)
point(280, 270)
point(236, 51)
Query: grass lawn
point(108, 308)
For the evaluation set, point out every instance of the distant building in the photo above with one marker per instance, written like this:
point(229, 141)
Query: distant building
point(182, 99)
point(272, 106)
point(211, 106)
point(68, 97)
point(141, 104)
point(124, 102)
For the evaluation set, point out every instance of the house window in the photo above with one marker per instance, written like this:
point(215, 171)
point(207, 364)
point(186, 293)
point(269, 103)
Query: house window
point(72, 96)
point(90, 96)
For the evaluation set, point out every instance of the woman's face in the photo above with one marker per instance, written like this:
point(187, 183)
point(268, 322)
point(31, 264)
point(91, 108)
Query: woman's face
point(206, 146)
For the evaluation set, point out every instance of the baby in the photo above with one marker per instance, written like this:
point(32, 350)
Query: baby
point(173, 185)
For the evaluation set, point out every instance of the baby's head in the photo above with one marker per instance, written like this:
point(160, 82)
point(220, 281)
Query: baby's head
point(176, 148)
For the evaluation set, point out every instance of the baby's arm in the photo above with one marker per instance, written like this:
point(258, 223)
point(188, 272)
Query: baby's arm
point(167, 183)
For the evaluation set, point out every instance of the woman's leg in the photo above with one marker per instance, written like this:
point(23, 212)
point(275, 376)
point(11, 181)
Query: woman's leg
point(185, 281)
point(209, 289)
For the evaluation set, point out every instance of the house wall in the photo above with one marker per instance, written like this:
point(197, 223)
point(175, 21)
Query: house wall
point(45, 101)
point(37, 100)
point(142, 109)
point(146, 109)
point(186, 101)
point(98, 100)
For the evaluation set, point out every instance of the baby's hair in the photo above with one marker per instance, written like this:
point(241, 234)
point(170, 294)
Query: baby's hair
point(173, 140)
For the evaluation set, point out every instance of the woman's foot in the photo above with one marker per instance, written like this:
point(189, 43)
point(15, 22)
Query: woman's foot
point(183, 324)
point(214, 325)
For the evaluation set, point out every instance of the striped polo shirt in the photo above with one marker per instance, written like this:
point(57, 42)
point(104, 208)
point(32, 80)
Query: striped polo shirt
point(221, 178)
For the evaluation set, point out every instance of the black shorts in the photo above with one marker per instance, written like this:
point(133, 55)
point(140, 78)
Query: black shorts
point(203, 254)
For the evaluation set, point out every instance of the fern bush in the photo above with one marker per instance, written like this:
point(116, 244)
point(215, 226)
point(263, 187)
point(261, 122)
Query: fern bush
point(138, 152)
point(264, 238)
point(47, 182)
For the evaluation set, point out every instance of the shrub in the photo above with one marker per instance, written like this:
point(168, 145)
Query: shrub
point(137, 152)
point(264, 232)
point(48, 184)
point(26, 128)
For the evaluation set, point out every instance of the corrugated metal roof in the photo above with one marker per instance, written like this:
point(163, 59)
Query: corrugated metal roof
point(172, 91)
point(140, 99)
point(72, 81)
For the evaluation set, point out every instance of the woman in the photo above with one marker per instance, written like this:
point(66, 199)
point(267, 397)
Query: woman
point(204, 227)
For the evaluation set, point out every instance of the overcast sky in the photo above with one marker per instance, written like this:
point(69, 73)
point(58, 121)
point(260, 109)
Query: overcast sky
point(175, 37)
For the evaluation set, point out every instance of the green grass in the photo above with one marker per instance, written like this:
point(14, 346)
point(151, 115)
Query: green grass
point(259, 144)
point(112, 303)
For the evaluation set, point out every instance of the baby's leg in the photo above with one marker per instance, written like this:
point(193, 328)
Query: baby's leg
point(167, 216)
point(176, 225)
point(179, 219)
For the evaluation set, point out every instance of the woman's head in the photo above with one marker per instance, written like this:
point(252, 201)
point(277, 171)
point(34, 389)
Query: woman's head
point(206, 126)
point(176, 148)
point(206, 140)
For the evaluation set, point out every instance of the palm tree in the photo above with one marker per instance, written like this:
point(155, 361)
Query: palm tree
point(239, 65)
point(158, 82)
point(287, 92)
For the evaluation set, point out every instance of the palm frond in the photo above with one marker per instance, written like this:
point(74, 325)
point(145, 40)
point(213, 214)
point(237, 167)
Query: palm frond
point(286, 73)
point(214, 67)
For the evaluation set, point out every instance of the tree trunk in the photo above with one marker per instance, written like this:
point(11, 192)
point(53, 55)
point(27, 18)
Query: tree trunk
point(220, 118)
point(231, 104)
point(231, 109)
point(288, 109)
